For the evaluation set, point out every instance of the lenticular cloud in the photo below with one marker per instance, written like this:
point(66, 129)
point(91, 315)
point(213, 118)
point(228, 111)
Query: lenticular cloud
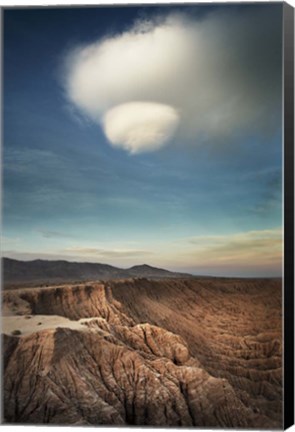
point(140, 126)
point(209, 79)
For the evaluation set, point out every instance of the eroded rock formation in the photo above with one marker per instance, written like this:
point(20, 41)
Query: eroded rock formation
point(196, 352)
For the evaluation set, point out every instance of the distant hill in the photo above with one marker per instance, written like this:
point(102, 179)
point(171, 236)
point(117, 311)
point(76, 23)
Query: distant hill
point(153, 272)
point(16, 273)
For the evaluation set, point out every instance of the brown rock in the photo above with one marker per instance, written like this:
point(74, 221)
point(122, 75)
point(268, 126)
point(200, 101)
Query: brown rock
point(160, 353)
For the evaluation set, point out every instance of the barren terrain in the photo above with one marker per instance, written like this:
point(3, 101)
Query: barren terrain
point(172, 352)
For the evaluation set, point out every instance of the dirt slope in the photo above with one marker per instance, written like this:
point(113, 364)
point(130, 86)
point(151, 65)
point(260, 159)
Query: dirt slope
point(171, 353)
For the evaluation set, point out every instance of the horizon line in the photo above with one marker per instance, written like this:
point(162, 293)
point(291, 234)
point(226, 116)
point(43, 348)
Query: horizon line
point(142, 265)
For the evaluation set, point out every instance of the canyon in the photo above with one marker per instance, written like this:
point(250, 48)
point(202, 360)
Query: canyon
point(203, 352)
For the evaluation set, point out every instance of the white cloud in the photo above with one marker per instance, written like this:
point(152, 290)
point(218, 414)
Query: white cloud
point(255, 238)
point(245, 253)
point(140, 126)
point(220, 74)
point(106, 253)
point(257, 248)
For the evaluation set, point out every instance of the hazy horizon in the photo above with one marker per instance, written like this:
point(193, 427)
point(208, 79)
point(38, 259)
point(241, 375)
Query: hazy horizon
point(145, 134)
point(76, 260)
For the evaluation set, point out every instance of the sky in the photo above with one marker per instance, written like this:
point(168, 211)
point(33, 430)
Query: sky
point(148, 134)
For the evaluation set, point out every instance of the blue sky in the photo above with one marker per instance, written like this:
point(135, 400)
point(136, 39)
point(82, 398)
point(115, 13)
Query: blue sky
point(205, 197)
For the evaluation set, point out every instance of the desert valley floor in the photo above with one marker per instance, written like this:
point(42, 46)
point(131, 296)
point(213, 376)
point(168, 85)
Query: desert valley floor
point(172, 352)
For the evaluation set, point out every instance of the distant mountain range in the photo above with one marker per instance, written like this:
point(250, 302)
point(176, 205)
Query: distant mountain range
point(24, 273)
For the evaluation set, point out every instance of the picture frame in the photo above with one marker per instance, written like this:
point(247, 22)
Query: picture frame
point(169, 264)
